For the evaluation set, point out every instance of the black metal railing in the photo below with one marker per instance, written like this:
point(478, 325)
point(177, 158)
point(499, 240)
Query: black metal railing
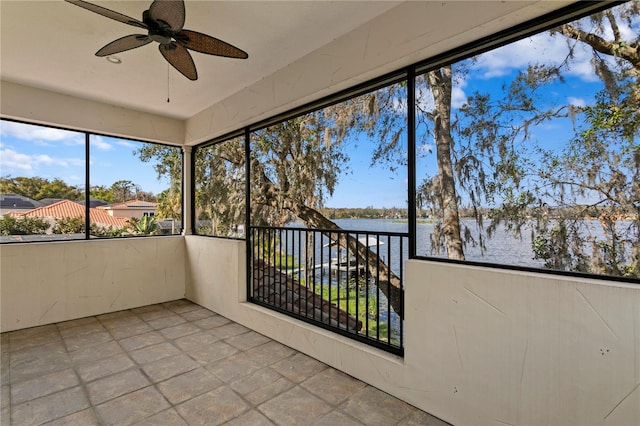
point(348, 281)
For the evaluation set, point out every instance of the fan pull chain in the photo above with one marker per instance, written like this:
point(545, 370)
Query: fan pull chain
point(168, 83)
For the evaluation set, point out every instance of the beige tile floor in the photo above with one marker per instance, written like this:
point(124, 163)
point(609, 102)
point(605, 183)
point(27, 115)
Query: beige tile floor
point(178, 364)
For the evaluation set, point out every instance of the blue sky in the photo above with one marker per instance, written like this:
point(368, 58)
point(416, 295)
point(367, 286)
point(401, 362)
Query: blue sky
point(381, 188)
point(30, 151)
point(366, 185)
point(52, 153)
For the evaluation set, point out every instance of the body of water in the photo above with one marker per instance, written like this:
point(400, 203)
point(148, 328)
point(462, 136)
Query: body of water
point(501, 248)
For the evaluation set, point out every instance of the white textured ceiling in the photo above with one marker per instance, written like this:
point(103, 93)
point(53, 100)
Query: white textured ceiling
point(51, 44)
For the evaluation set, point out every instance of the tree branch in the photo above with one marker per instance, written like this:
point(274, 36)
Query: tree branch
point(388, 283)
point(617, 49)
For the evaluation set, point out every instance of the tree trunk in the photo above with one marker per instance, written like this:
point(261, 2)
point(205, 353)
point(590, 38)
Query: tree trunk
point(388, 283)
point(440, 84)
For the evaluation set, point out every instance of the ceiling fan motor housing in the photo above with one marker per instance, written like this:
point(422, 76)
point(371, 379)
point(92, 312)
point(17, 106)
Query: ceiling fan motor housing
point(159, 30)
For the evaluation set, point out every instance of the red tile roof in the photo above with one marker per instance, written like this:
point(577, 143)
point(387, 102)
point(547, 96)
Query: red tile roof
point(66, 208)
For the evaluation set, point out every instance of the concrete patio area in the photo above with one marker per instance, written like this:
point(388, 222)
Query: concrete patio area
point(177, 363)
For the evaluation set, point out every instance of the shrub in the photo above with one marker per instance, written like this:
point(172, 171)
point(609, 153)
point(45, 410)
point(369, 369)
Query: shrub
point(69, 225)
point(23, 225)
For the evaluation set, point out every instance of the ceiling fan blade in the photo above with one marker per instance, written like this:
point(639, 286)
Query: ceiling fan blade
point(169, 11)
point(210, 45)
point(108, 13)
point(125, 43)
point(180, 59)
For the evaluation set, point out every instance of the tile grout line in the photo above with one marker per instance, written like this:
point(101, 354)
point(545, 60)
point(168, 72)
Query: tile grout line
point(233, 333)
point(82, 383)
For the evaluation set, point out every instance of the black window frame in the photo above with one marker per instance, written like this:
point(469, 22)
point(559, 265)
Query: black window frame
point(87, 169)
point(501, 38)
point(217, 141)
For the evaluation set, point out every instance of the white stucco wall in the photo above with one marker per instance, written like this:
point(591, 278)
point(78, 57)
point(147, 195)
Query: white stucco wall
point(492, 346)
point(482, 346)
point(216, 275)
point(41, 283)
point(40, 106)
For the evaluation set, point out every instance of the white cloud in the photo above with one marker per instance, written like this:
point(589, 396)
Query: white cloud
point(424, 98)
point(127, 144)
point(40, 134)
point(627, 32)
point(541, 48)
point(425, 101)
point(13, 161)
point(100, 143)
point(579, 102)
point(458, 96)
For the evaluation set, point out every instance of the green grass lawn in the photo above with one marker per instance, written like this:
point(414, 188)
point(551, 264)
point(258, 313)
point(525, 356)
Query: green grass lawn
point(346, 296)
point(352, 302)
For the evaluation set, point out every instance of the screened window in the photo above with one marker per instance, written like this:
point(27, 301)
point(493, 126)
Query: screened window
point(135, 188)
point(527, 155)
point(344, 162)
point(41, 184)
point(220, 189)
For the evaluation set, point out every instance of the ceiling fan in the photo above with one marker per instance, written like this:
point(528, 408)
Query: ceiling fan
point(164, 21)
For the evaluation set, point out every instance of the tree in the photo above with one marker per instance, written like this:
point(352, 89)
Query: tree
point(96, 230)
point(38, 188)
point(597, 175)
point(624, 52)
point(167, 164)
point(295, 164)
point(102, 192)
point(483, 151)
point(123, 190)
point(583, 203)
point(479, 149)
point(220, 189)
point(440, 83)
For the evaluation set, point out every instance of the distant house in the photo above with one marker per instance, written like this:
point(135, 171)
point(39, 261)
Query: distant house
point(49, 201)
point(131, 208)
point(70, 209)
point(94, 202)
point(14, 203)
